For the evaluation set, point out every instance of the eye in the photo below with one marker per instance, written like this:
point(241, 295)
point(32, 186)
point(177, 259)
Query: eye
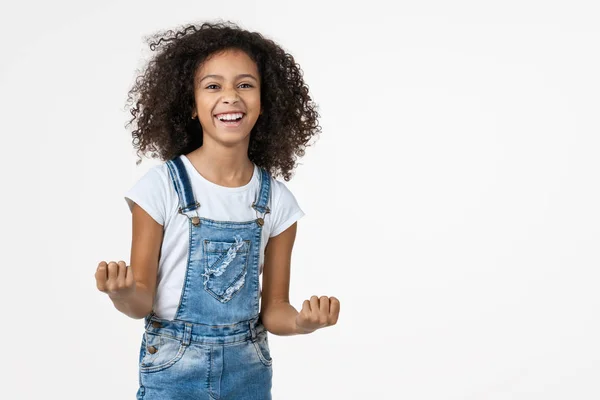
point(209, 86)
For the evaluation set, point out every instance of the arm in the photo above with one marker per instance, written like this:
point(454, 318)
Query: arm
point(278, 315)
point(147, 236)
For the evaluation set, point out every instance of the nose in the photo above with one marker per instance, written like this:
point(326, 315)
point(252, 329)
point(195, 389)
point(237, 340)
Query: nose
point(230, 96)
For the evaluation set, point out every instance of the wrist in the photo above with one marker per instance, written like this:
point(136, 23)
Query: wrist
point(302, 331)
point(121, 297)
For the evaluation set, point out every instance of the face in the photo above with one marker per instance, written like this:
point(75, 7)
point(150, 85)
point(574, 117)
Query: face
point(227, 83)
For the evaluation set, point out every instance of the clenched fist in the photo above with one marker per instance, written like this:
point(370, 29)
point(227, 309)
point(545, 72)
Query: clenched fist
point(115, 279)
point(318, 312)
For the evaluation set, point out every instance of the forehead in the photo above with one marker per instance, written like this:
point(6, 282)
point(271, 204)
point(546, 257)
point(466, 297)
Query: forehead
point(228, 63)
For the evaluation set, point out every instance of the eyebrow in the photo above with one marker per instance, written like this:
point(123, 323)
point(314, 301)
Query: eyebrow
point(237, 77)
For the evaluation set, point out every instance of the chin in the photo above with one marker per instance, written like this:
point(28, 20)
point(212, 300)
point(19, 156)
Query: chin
point(229, 139)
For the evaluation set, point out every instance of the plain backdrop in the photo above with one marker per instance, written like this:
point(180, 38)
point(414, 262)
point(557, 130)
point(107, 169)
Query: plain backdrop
point(451, 199)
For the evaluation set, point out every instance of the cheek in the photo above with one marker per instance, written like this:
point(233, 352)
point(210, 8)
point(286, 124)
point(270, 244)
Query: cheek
point(204, 111)
point(202, 100)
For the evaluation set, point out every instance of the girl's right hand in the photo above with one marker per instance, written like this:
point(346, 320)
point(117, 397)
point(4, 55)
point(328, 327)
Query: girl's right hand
point(115, 279)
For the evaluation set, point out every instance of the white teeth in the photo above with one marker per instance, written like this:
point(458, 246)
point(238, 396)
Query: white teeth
point(228, 117)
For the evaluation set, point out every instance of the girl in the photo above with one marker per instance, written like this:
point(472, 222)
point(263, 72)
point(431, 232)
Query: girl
point(226, 110)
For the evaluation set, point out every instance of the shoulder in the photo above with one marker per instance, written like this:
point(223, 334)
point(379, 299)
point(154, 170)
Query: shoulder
point(283, 198)
point(158, 175)
point(280, 191)
point(155, 182)
point(285, 209)
point(162, 171)
point(151, 193)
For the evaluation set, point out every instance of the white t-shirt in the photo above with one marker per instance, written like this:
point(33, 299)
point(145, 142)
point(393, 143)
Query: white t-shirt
point(155, 193)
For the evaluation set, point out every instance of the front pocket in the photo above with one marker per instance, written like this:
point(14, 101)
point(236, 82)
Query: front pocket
point(225, 266)
point(160, 352)
point(261, 345)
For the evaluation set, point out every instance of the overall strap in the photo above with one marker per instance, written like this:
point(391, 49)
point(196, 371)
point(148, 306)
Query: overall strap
point(183, 187)
point(260, 204)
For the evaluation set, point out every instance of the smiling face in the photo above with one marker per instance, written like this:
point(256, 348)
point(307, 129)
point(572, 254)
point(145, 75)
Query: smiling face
point(227, 85)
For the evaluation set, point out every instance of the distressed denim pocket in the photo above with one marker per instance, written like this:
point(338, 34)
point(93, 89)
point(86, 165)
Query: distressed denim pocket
point(225, 266)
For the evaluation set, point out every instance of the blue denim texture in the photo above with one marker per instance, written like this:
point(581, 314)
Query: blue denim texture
point(216, 347)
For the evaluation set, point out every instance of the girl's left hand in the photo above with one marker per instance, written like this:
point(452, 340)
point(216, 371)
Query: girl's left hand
point(318, 312)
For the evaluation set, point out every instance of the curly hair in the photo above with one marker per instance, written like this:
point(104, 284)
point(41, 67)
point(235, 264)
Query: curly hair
point(164, 97)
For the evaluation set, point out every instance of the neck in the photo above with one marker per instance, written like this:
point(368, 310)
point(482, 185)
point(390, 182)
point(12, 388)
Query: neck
point(228, 167)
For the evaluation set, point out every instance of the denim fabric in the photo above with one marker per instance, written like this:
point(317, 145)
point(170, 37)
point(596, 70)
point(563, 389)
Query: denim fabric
point(216, 347)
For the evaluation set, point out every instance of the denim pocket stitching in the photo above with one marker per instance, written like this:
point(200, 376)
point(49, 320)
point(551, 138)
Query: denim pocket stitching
point(166, 364)
point(259, 352)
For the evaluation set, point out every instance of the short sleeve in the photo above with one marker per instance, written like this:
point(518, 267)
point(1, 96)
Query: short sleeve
point(150, 193)
point(285, 211)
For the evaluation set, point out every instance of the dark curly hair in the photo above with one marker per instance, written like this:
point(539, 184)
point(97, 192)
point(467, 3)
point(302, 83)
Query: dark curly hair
point(164, 97)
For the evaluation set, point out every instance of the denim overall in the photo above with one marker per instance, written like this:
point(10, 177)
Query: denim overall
point(216, 347)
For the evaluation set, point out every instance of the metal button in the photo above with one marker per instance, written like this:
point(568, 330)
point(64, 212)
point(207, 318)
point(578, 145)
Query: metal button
point(152, 349)
point(195, 221)
point(260, 221)
point(156, 324)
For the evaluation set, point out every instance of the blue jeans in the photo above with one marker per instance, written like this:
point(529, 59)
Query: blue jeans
point(181, 360)
point(216, 347)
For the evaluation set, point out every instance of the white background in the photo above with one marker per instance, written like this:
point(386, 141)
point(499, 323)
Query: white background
point(451, 200)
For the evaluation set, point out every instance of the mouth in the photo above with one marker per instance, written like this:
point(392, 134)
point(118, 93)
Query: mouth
point(230, 123)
